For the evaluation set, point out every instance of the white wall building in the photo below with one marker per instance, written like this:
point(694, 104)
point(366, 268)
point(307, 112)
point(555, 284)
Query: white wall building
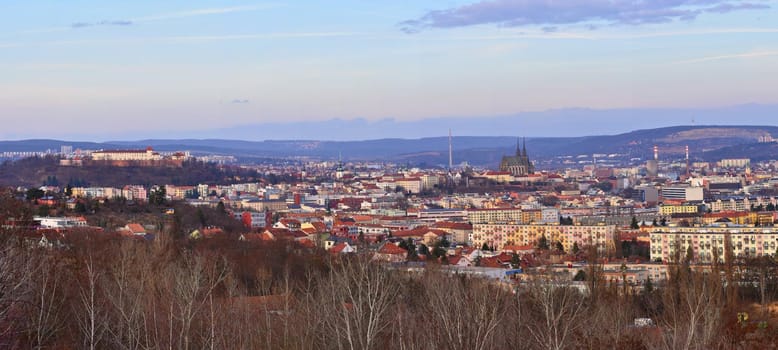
point(707, 243)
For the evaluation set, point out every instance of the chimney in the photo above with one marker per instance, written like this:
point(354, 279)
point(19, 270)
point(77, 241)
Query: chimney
point(687, 161)
point(450, 152)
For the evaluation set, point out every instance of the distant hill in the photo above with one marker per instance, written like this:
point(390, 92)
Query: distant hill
point(40, 145)
point(705, 142)
point(755, 151)
point(36, 171)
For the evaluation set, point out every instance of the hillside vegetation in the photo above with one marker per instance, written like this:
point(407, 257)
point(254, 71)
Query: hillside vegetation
point(37, 171)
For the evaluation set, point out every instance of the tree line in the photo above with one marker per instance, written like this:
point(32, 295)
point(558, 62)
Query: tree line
point(119, 294)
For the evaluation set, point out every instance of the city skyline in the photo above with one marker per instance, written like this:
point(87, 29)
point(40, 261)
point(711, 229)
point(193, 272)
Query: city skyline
point(84, 71)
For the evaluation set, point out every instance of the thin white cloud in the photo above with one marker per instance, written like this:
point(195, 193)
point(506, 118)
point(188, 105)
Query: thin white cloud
point(156, 17)
point(203, 12)
point(288, 35)
point(193, 38)
point(753, 54)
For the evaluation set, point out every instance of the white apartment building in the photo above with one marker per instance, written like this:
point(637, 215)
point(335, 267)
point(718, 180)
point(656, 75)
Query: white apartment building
point(126, 155)
point(708, 243)
point(60, 222)
point(683, 193)
point(735, 163)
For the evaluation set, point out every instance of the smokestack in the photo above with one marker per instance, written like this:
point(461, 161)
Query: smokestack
point(656, 152)
point(687, 161)
point(450, 152)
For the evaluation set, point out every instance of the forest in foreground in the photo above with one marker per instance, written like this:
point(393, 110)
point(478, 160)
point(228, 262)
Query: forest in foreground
point(126, 294)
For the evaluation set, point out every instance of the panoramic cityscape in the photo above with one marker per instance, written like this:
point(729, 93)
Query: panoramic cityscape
point(496, 174)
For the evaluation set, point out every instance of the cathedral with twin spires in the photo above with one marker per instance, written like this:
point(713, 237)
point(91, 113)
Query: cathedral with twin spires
point(519, 164)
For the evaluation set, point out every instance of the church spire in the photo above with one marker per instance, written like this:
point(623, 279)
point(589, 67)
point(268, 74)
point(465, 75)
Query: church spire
point(518, 147)
point(524, 148)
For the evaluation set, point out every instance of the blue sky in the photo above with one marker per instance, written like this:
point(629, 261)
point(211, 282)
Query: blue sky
point(100, 69)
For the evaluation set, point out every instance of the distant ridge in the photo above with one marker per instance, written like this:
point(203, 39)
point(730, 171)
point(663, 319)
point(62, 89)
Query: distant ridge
point(707, 142)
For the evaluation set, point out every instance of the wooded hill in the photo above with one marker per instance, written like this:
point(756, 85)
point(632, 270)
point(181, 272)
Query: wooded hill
point(37, 171)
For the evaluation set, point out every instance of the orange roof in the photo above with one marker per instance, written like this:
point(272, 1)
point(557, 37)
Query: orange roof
point(417, 232)
point(391, 248)
point(136, 228)
point(320, 226)
point(307, 243)
point(338, 247)
point(362, 218)
point(517, 248)
point(490, 262)
point(437, 232)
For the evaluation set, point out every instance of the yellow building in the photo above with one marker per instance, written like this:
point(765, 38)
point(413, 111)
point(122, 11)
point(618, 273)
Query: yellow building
point(126, 155)
point(667, 210)
point(506, 215)
point(499, 235)
point(735, 217)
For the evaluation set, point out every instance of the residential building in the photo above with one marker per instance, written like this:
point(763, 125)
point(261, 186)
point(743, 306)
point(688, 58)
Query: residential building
point(708, 243)
point(499, 235)
point(495, 215)
point(682, 193)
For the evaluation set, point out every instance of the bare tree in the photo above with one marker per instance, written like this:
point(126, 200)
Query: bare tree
point(17, 268)
point(556, 310)
point(358, 295)
point(194, 281)
point(126, 289)
point(45, 307)
point(467, 313)
point(692, 311)
point(594, 273)
point(90, 314)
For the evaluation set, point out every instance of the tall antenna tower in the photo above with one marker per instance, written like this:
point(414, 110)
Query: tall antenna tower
point(656, 153)
point(687, 161)
point(450, 152)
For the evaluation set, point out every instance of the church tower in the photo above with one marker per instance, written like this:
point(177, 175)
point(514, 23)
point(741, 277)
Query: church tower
point(518, 164)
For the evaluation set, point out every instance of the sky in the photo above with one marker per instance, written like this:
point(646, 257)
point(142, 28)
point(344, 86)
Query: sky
point(135, 69)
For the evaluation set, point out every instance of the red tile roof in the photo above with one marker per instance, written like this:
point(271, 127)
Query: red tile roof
point(391, 248)
point(320, 226)
point(136, 228)
point(338, 248)
point(454, 259)
point(417, 232)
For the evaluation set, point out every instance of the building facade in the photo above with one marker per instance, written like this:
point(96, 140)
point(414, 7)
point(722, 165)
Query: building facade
point(499, 235)
point(518, 164)
point(126, 155)
point(708, 243)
